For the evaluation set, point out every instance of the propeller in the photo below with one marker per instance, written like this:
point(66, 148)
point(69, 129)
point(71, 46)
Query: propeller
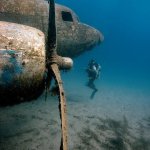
point(54, 63)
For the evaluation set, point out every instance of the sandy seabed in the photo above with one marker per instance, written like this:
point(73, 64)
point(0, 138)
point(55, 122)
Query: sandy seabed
point(116, 118)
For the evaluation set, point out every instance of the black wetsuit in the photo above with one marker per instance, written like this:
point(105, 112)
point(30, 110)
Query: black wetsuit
point(93, 73)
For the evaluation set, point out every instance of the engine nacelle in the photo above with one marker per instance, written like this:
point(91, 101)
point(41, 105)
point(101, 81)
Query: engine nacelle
point(22, 62)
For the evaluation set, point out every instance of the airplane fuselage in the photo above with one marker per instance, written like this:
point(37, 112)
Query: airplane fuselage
point(73, 37)
point(23, 38)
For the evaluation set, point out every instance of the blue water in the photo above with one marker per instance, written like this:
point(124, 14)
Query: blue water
point(125, 53)
point(118, 117)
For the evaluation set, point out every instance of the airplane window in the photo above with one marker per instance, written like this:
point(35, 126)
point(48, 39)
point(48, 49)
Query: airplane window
point(66, 16)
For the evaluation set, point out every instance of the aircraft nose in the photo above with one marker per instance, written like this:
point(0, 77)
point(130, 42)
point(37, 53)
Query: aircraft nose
point(93, 36)
point(78, 40)
point(100, 36)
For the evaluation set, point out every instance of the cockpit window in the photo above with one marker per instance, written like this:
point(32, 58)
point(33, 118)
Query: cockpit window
point(66, 16)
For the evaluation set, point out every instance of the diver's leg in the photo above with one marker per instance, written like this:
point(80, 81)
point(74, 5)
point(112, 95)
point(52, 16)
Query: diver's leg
point(89, 84)
point(92, 85)
point(94, 90)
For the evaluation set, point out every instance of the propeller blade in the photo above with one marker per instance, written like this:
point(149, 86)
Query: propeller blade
point(53, 71)
point(51, 38)
point(62, 106)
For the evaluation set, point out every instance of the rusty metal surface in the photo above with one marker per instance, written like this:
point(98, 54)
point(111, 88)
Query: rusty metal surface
point(22, 61)
point(28, 12)
point(53, 71)
point(73, 38)
point(27, 43)
point(62, 107)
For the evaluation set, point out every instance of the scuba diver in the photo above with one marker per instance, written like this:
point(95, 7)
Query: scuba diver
point(93, 71)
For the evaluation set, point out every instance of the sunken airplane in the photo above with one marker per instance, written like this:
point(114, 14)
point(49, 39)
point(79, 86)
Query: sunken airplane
point(23, 28)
